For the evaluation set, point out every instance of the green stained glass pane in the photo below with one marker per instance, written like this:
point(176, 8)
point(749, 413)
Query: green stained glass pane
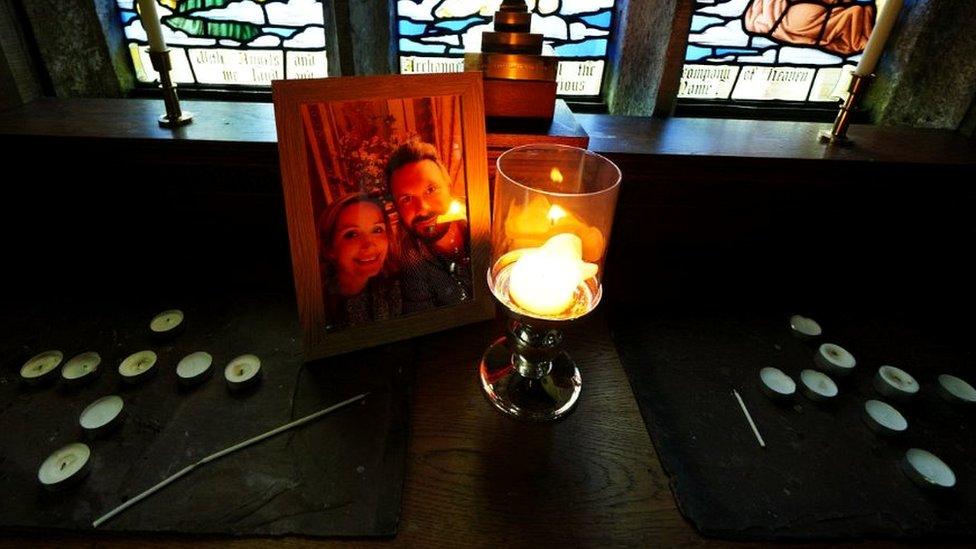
point(232, 42)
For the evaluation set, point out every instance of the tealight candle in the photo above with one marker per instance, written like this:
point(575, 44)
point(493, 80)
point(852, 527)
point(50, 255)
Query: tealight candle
point(834, 359)
point(166, 324)
point(242, 372)
point(927, 470)
point(138, 367)
point(895, 383)
point(545, 280)
point(776, 384)
point(41, 367)
point(81, 368)
point(102, 415)
point(883, 418)
point(956, 390)
point(65, 466)
point(804, 328)
point(194, 368)
point(817, 386)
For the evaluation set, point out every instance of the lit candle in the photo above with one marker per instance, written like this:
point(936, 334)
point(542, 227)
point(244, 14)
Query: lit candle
point(150, 22)
point(544, 280)
point(883, 21)
point(455, 212)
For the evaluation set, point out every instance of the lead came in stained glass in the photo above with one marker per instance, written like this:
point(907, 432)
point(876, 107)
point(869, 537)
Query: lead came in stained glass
point(232, 42)
point(789, 50)
point(435, 34)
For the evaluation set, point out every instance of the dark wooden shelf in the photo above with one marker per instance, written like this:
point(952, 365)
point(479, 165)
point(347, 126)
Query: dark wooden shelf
point(250, 127)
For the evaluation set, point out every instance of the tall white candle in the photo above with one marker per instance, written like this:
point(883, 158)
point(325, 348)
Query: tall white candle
point(150, 21)
point(883, 21)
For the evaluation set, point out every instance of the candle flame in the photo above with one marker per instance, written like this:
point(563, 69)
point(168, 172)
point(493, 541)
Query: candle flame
point(455, 212)
point(555, 175)
point(556, 212)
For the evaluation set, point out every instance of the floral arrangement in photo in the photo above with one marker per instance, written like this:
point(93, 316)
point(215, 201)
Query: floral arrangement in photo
point(365, 154)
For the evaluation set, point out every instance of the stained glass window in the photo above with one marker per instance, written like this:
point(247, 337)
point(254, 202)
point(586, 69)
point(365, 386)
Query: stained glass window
point(232, 42)
point(434, 34)
point(787, 50)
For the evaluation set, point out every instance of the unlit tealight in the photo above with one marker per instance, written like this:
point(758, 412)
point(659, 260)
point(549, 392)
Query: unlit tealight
point(81, 368)
point(41, 367)
point(927, 470)
point(102, 415)
point(166, 324)
point(817, 386)
point(895, 383)
point(956, 390)
point(776, 384)
point(242, 372)
point(834, 359)
point(65, 466)
point(138, 366)
point(883, 418)
point(804, 327)
point(194, 368)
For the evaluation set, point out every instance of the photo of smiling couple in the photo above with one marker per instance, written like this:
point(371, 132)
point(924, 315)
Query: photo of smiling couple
point(388, 196)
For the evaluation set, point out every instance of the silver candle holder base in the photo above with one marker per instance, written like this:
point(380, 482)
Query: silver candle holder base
point(527, 375)
point(837, 135)
point(174, 116)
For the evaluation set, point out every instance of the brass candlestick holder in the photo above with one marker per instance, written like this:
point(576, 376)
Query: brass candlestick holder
point(520, 81)
point(174, 116)
point(837, 135)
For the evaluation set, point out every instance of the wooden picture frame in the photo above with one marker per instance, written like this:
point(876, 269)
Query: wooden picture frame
point(323, 164)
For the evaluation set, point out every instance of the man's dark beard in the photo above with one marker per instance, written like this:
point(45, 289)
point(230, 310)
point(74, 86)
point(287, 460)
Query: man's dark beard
point(430, 233)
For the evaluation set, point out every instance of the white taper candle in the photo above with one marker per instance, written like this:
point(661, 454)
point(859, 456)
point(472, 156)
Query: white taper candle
point(883, 21)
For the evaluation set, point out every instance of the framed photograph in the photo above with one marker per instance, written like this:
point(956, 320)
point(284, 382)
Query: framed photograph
point(386, 193)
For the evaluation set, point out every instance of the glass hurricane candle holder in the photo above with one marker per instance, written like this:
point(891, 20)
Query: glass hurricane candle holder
point(552, 212)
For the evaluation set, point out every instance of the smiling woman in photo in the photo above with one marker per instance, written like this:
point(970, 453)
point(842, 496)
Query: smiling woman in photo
point(354, 234)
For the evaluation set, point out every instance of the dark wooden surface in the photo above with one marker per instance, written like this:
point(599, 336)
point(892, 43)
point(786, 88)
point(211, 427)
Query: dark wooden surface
point(245, 127)
point(476, 478)
point(697, 194)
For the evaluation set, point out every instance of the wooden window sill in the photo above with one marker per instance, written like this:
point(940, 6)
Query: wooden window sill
point(249, 128)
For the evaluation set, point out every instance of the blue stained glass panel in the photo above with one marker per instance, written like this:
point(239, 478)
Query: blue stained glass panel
point(577, 31)
point(601, 20)
point(774, 50)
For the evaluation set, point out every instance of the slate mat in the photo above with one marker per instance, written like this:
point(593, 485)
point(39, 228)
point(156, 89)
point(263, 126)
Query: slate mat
point(823, 474)
point(339, 476)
